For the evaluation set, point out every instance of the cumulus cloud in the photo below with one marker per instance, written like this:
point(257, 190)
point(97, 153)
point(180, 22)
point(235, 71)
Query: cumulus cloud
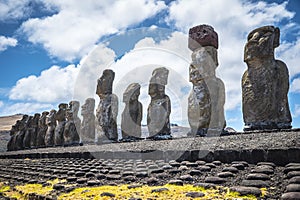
point(53, 85)
point(78, 25)
point(295, 86)
point(25, 108)
point(6, 42)
point(296, 111)
point(14, 9)
point(232, 20)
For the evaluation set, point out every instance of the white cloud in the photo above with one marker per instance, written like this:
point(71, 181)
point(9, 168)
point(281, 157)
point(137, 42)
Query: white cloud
point(6, 42)
point(295, 86)
point(289, 52)
point(233, 20)
point(296, 111)
point(14, 9)
point(53, 85)
point(78, 25)
point(1, 104)
point(25, 108)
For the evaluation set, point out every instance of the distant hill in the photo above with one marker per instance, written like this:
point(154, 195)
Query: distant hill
point(7, 121)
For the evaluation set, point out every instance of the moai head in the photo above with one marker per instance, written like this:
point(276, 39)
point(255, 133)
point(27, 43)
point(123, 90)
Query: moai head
point(74, 107)
point(201, 36)
point(36, 118)
point(44, 114)
point(51, 116)
point(132, 92)
point(88, 107)
point(42, 120)
point(195, 75)
point(158, 81)
point(261, 43)
point(105, 83)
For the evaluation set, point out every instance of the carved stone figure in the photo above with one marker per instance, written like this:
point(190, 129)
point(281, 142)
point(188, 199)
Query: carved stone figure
point(107, 110)
point(265, 83)
point(71, 136)
point(28, 132)
point(88, 122)
point(51, 124)
point(40, 139)
point(159, 109)
point(203, 41)
point(132, 113)
point(61, 121)
point(34, 130)
point(21, 126)
point(11, 145)
point(199, 104)
point(74, 107)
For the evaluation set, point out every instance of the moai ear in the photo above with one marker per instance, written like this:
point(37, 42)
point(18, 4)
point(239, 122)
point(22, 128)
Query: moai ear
point(276, 37)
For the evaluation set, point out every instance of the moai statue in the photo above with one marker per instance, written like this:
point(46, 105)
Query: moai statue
point(203, 41)
point(51, 124)
point(74, 107)
point(265, 83)
point(88, 128)
point(199, 104)
point(107, 110)
point(29, 131)
point(71, 136)
point(34, 129)
point(13, 133)
point(19, 145)
point(61, 121)
point(42, 129)
point(132, 114)
point(159, 109)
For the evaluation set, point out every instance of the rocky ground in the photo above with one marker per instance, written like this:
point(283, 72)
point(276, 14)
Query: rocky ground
point(247, 179)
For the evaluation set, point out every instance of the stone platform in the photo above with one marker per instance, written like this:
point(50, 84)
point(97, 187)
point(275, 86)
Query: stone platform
point(265, 165)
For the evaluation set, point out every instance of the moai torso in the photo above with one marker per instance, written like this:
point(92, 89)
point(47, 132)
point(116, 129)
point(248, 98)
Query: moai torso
point(29, 131)
point(51, 124)
point(107, 110)
point(203, 41)
point(40, 141)
point(34, 130)
point(71, 136)
point(61, 121)
point(21, 133)
point(87, 133)
point(132, 113)
point(11, 145)
point(265, 83)
point(199, 104)
point(159, 109)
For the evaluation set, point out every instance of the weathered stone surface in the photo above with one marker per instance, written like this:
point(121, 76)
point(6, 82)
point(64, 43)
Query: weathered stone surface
point(293, 188)
point(255, 183)
point(51, 124)
point(71, 135)
point(199, 104)
point(214, 179)
point(205, 62)
point(291, 196)
point(42, 129)
point(202, 35)
point(246, 190)
point(88, 128)
point(265, 83)
point(61, 121)
point(159, 109)
point(195, 194)
point(132, 113)
point(107, 110)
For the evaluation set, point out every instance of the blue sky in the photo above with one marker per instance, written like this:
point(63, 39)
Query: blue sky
point(46, 45)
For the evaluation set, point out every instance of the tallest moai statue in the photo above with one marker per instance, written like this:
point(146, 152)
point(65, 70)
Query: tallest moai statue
point(203, 41)
point(265, 83)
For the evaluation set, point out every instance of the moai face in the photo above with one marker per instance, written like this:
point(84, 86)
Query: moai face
point(88, 107)
point(261, 43)
point(195, 75)
point(105, 83)
point(132, 92)
point(74, 106)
